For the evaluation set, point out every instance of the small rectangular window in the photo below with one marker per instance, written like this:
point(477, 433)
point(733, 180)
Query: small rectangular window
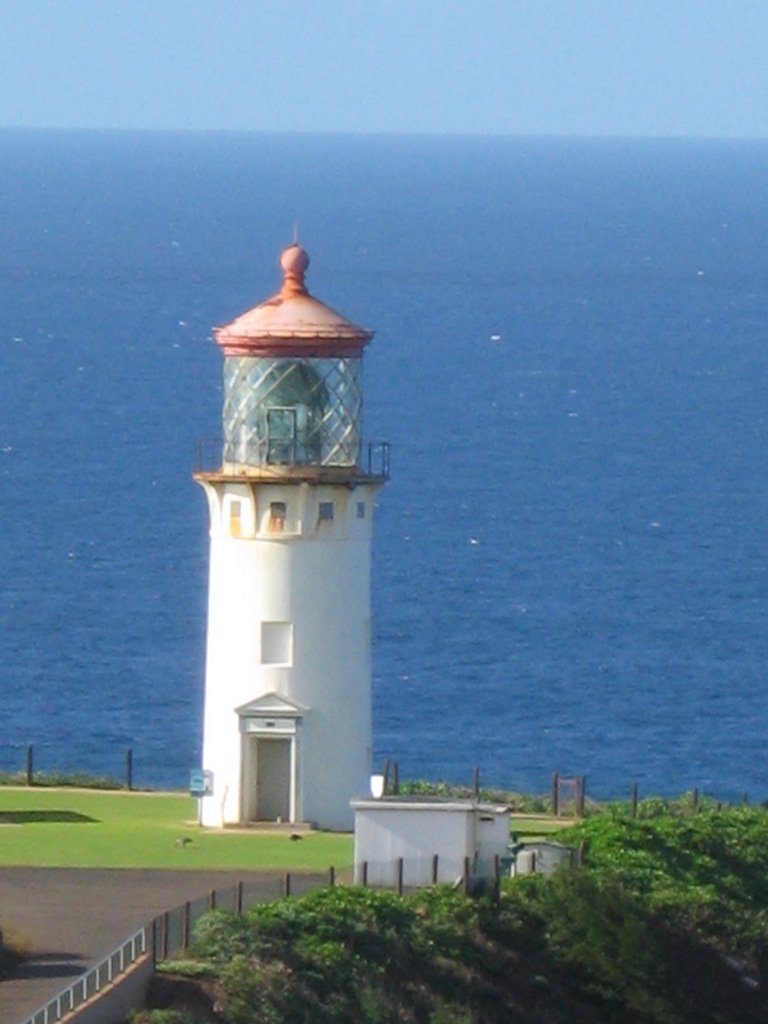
point(235, 520)
point(276, 643)
point(277, 513)
point(361, 510)
point(325, 512)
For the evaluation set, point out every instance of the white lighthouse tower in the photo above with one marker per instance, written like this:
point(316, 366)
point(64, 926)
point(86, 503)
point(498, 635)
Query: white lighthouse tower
point(287, 724)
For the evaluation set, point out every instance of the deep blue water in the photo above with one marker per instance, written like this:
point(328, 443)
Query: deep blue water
point(570, 558)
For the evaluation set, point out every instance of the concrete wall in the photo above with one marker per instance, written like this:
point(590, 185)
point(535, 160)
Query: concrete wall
point(117, 1001)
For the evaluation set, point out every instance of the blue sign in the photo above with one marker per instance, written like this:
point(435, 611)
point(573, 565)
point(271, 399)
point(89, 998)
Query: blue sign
point(200, 782)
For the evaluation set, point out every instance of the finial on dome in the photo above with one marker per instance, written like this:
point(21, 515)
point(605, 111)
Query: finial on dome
point(294, 261)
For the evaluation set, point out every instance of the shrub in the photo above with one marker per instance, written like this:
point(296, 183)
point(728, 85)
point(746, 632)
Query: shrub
point(705, 873)
point(162, 1017)
point(221, 935)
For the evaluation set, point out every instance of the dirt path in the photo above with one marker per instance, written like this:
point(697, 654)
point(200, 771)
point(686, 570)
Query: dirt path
point(70, 917)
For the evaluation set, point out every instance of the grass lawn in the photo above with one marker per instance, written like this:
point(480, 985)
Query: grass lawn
point(93, 828)
point(538, 826)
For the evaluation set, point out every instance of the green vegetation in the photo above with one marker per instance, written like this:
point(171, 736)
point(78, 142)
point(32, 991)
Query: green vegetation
point(527, 827)
point(666, 923)
point(93, 828)
point(522, 803)
point(80, 780)
point(532, 815)
point(704, 873)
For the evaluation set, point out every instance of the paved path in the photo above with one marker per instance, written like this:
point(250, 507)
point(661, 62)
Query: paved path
point(70, 917)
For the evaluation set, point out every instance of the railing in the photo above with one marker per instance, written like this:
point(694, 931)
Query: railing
point(104, 973)
point(166, 936)
point(370, 458)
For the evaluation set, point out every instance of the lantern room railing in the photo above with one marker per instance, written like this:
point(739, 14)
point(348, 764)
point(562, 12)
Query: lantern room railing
point(370, 459)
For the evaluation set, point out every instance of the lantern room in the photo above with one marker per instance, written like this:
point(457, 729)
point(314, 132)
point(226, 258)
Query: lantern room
point(292, 380)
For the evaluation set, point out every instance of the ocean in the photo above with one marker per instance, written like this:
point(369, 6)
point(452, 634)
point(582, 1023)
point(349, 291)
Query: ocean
point(570, 363)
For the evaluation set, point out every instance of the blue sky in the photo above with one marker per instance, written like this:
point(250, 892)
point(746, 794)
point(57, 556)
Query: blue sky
point(564, 67)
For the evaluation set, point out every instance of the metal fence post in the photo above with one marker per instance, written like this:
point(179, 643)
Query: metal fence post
point(581, 790)
point(185, 925)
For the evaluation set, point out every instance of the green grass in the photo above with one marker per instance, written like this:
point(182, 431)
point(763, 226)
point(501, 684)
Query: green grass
point(49, 827)
point(539, 826)
point(93, 828)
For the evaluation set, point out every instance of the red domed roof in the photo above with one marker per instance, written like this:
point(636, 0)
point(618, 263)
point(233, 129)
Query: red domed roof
point(292, 322)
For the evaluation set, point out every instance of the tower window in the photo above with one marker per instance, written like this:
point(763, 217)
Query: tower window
point(235, 518)
point(361, 510)
point(325, 512)
point(276, 643)
point(277, 513)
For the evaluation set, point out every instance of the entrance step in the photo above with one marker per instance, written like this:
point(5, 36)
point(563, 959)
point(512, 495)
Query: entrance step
point(283, 827)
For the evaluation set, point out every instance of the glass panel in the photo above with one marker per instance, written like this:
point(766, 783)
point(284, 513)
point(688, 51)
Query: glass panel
point(296, 412)
point(281, 437)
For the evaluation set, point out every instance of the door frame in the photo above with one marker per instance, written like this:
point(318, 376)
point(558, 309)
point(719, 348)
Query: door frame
point(269, 717)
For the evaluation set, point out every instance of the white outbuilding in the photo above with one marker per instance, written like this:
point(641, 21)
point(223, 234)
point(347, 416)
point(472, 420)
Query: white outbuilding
point(427, 840)
point(290, 489)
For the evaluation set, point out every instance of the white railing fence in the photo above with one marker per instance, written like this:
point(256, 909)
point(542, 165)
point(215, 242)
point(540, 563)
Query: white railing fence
point(104, 973)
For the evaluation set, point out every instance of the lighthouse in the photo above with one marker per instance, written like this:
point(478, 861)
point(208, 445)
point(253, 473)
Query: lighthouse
point(290, 490)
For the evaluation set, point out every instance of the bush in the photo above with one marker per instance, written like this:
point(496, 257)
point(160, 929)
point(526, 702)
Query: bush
point(521, 802)
point(221, 935)
point(71, 780)
point(162, 1017)
point(705, 873)
point(187, 968)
